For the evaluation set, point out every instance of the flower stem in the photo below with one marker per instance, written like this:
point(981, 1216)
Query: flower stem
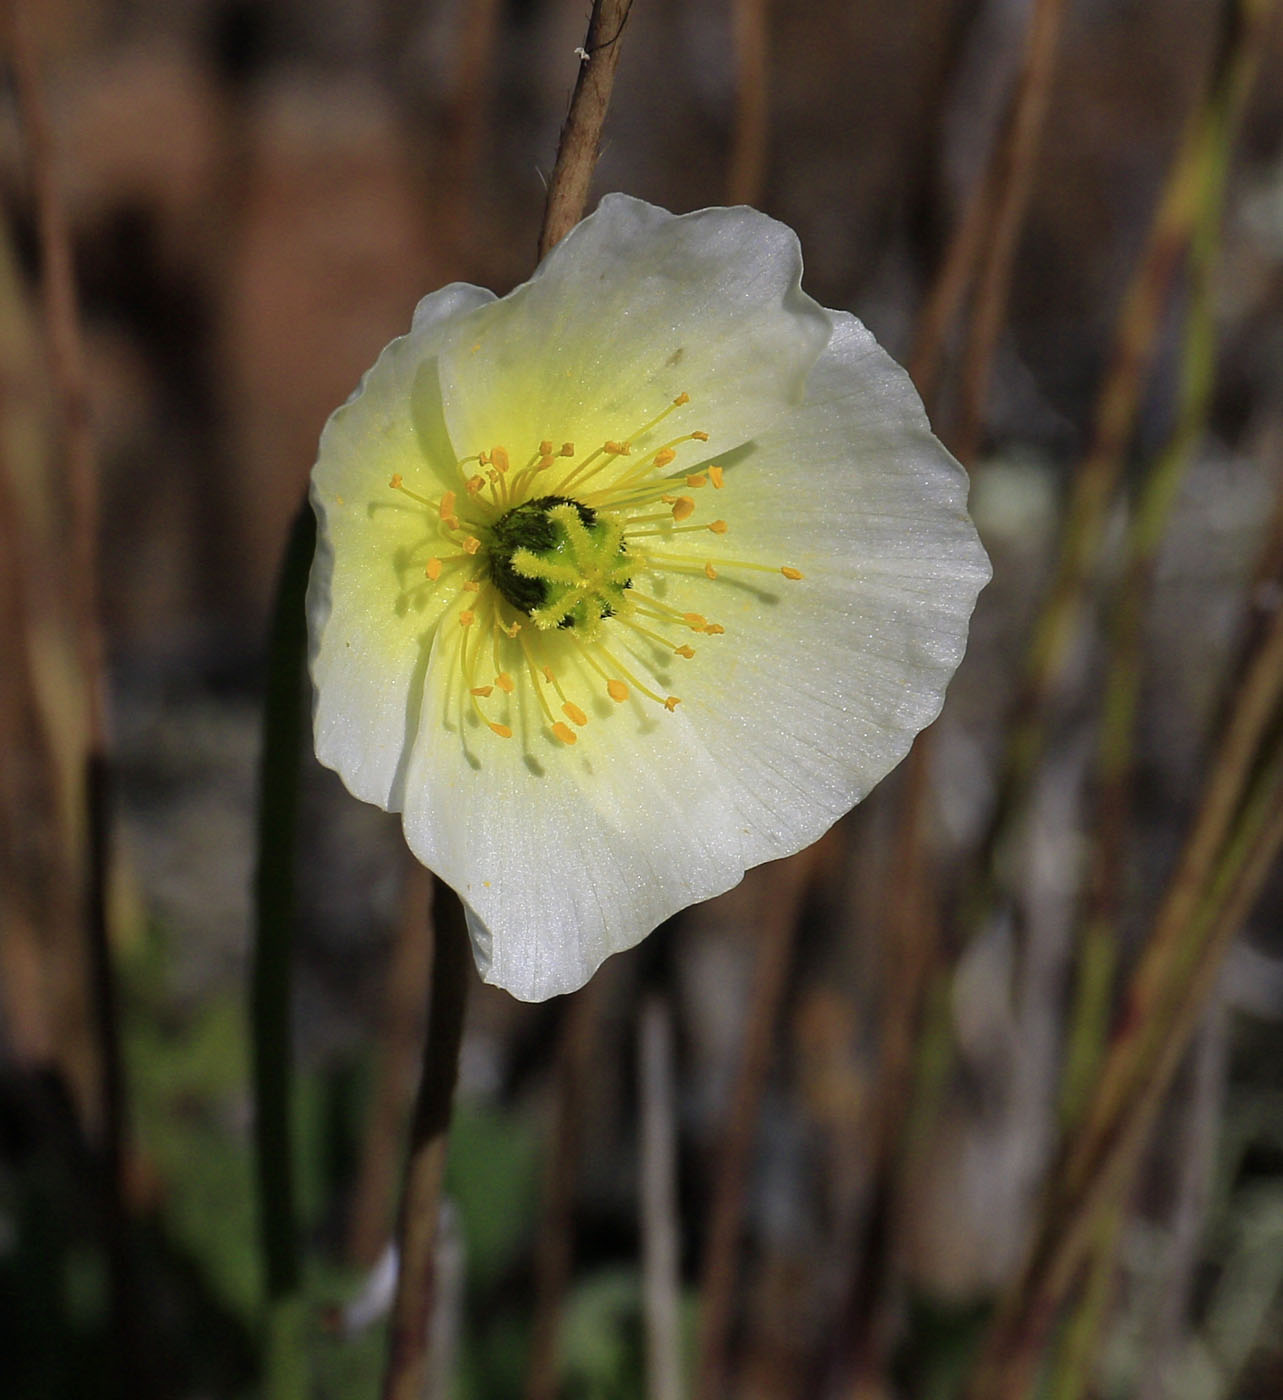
point(408, 1335)
point(581, 133)
point(279, 767)
point(777, 928)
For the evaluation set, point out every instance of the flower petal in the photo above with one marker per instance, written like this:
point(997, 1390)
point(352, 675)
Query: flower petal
point(370, 622)
point(564, 855)
point(633, 308)
point(818, 686)
point(815, 691)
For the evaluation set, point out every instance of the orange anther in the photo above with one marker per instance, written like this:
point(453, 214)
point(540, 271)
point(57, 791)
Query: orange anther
point(672, 702)
point(700, 437)
point(572, 711)
point(699, 479)
point(512, 630)
point(791, 573)
point(544, 463)
point(617, 690)
point(564, 733)
point(433, 569)
point(709, 571)
point(617, 449)
point(483, 458)
point(499, 457)
point(664, 456)
point(718, 527)
point(472, 586)
point(695, 621)
point(445, 507)
point(545, 448)
point(501, 730)
point(505, 682)
point(467, 617)
point(395, 481)
point(684, 650)
point(547, 674)
point(682, 398)
point(567, 449)
point(472, 543)
point(683, 508)
point(714, 629)
point(715, 476)
point(482, 690)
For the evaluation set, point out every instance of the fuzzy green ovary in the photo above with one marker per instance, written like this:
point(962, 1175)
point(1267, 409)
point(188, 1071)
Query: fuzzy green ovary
point(561, 563)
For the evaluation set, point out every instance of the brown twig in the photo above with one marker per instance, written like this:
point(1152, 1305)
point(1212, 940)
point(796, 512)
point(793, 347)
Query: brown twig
point(425, 1171)
point(987, 235)
point(661, 1239)
point(554, 1248)
point(777, 929)
point(750, 41)
point(80, 471)
point(400, 1032)
point(581, 132)
point(464, 121)
point(1016, 167)
point(1236, 835)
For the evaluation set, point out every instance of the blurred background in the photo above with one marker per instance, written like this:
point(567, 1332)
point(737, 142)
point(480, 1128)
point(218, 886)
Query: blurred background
point(258, 192)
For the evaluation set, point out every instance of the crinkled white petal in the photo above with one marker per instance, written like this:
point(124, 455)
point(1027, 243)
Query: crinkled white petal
point(818, 686)
point(567, 853)
point(815, 691)
point(633, 308)
point(370, 620)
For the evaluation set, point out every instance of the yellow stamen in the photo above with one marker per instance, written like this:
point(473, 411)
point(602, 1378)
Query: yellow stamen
point(790, 572)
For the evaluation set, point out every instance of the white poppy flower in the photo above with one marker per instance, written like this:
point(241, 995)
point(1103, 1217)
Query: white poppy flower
point(629, 580)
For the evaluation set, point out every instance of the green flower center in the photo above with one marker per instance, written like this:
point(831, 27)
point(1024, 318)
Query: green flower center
point(560, 562)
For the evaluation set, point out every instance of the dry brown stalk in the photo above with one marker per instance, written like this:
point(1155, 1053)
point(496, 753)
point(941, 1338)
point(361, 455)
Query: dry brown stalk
point(408, 1332)
point(751, 44)
point(1236, 835)
point(554, 1248)
point(660, 1229)
point(777, 927)
point(1016, 165)
point(581, 132)
point(400, 1030)
point(80, 477)
point(464, 124)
